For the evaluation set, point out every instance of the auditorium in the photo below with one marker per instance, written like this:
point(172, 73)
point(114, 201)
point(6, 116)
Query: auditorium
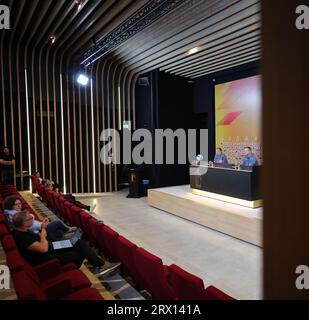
point(153, 150)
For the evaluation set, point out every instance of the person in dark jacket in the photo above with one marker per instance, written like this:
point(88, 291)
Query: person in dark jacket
point(7, 165)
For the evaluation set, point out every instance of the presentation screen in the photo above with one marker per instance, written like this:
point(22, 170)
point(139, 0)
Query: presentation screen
point(238, 118)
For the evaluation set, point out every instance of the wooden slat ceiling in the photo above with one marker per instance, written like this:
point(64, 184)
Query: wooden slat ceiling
point(154, 34)
point(227, 33)
point(33, 22)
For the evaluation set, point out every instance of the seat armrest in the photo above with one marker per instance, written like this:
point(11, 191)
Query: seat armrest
point(48, 269)
point(68, 267)
point(59, 290)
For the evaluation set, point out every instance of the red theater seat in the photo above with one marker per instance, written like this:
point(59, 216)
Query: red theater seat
point(92, 229)
point(4, 231)
point(8, 243)
point(57, 203)
point(74, 215)
point(101, 240)
point(2, 219)
point(39, 187)
point(44, 194)
point(110, 239)
point(27, 289)
point(154, 274)
point(125, 250)
point(186, 285)
point(212, 293)
point(49, 199)
point(62, 209)
point(84, 217)
point(95, 226)
point(48, 274)
point(67, 211)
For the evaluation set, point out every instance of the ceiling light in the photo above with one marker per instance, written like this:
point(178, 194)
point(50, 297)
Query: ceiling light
point(82, 79)
point(193, 50)
point(52, 39)
point(79, 4)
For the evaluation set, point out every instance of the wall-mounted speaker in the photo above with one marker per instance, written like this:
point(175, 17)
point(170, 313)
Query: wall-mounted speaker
point(143, 81)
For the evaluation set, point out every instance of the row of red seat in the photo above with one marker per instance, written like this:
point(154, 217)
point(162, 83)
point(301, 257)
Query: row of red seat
point(49, 280)
point(147, 270)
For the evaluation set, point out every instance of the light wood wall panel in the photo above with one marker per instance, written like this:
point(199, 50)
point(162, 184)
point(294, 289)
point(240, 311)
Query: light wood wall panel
point(44, 65)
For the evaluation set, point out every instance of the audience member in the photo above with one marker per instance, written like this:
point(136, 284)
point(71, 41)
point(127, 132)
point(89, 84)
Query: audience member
point(36, 249)
point(55, 229)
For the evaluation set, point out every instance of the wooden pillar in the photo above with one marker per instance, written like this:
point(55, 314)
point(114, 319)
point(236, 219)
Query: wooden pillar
point(285, 69)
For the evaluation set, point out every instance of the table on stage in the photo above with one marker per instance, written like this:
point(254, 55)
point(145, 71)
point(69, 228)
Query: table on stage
point(240, 186)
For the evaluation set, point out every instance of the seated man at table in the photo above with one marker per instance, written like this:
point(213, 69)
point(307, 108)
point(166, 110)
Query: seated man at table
point(220, 157)
point(250, 158)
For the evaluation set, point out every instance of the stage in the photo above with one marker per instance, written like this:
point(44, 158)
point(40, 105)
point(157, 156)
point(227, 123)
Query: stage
point(232, 219)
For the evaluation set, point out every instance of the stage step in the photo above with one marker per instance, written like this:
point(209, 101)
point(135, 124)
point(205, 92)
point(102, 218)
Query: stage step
point(235, 220)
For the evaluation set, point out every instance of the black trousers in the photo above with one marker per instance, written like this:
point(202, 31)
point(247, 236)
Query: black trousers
point(78, 254)
point(7, 176)
point(71, 198)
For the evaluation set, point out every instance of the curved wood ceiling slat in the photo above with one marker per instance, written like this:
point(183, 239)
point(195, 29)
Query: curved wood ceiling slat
point(90, 26)
point(222, 29)
point(218, 58)
point(223, 67)
point(162, 60)
point(177, 22)
point(143, 65)
point(230, 59)
point(199, 31)
point(203, 55)
point(217, 67)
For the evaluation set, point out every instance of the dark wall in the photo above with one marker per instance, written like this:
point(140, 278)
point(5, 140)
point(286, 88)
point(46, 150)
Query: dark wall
point(175, 101)
point(167, 102)
point(204, 94)
point(146, 111)
point(145, 104)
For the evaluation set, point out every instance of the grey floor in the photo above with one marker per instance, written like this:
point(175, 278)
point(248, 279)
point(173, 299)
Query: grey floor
point(230, 264)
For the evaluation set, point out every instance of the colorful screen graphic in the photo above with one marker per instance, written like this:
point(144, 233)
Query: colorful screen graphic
point(238, 118)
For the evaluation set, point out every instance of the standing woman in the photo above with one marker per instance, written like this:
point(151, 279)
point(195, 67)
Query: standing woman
point(7, 165)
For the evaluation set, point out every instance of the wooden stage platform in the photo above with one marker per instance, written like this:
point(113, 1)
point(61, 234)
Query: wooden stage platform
point(235, 220)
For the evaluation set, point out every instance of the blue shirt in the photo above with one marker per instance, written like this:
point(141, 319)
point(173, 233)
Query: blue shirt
point(250, 160)
point(35, 228)
point(220, 158)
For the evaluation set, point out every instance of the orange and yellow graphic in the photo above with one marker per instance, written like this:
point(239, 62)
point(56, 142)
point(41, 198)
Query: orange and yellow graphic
point(238, 117)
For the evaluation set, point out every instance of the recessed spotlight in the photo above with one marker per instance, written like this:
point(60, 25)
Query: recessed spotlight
point(52, 39)
point(193, 50)
point(79, 4)
point(82, 79)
